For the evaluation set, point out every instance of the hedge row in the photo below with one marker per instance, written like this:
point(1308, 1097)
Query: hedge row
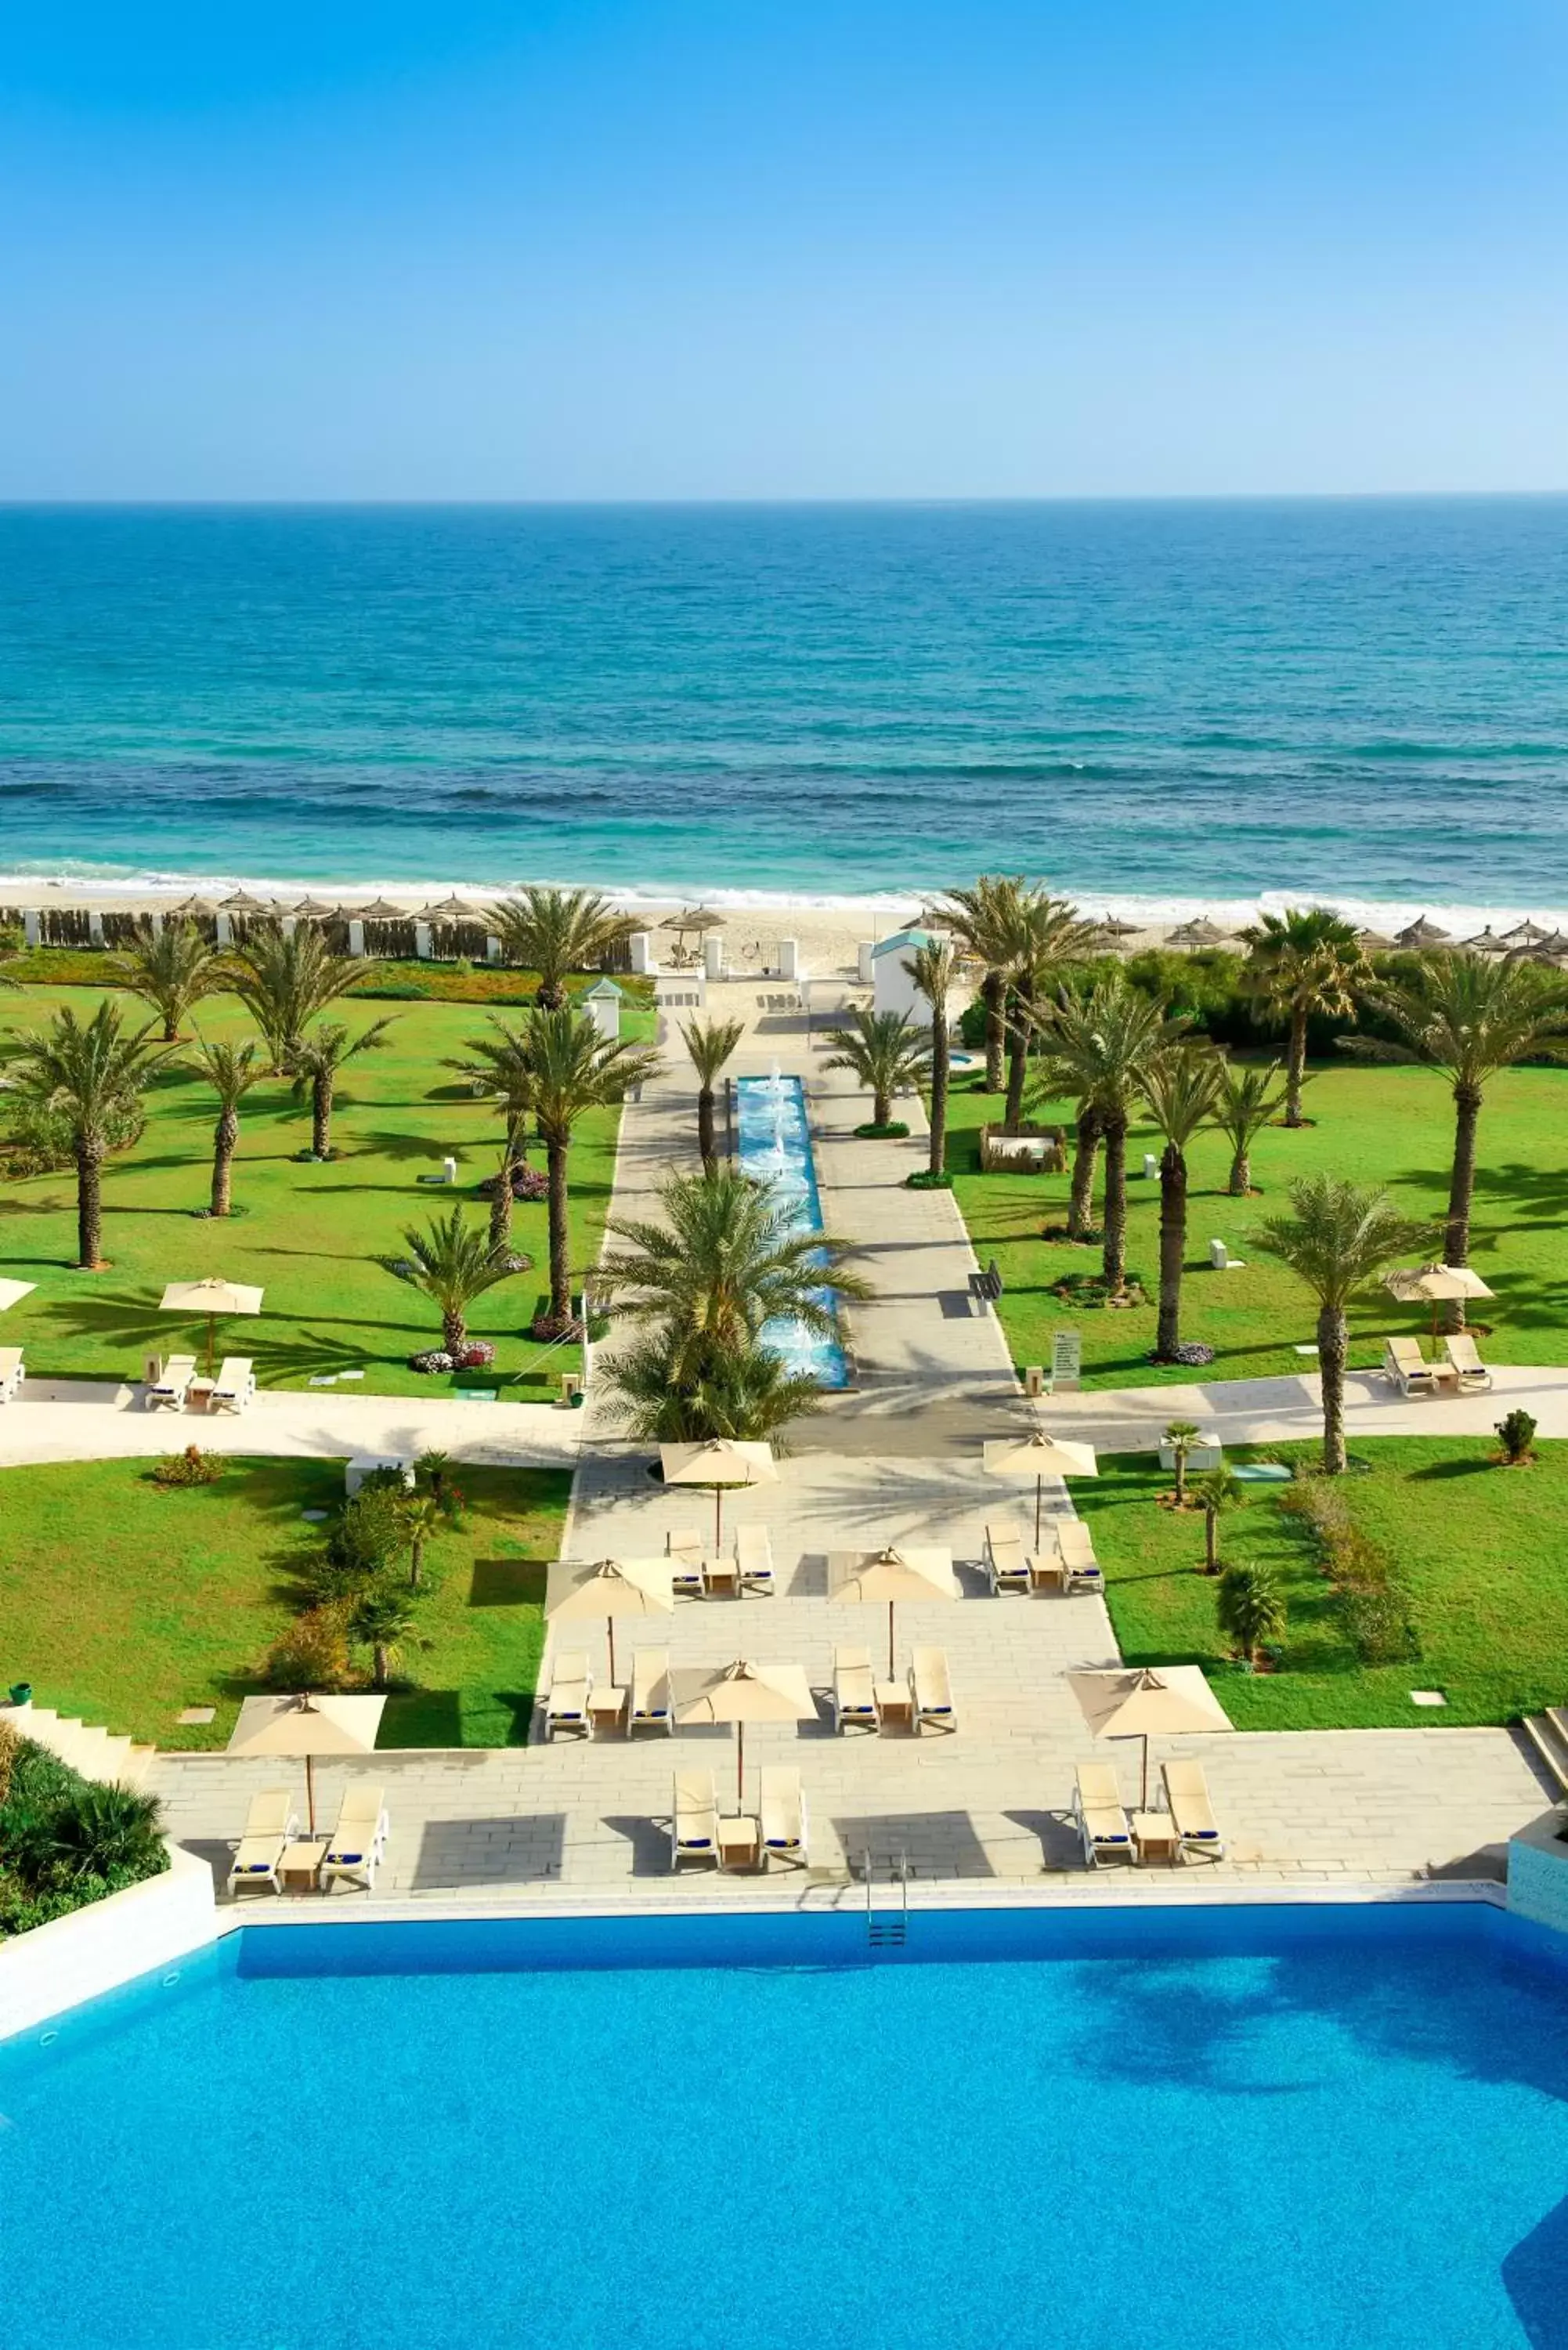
point(1375, 1601)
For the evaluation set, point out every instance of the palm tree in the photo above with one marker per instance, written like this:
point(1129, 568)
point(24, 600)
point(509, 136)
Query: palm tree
point(553, 931)
point(381, 1617)
point(315, 1059)
point(1180, 1435)
point(1085, 1152)
point(984, 919)
point(283, 983)
point(1304, 961)
point(710, 1044)
point(1100, 1048)
point(1251, 1609)
point(1219, 1490)
point(1245, 1102)
point(1338, 1238)
point(723, 1262)
point(663, 1394)
point(91, 1075)
point(575, 1070)
point(498, 1068)
point(422, 1516)
point(934, 970)
point(453, 1263)
point(1047, 937)
point(885, 1051)
point(1179, 1089)
point(1470, 1016)
point(231, 1070)
point(173, 970)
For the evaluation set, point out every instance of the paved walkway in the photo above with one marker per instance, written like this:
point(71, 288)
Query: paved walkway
point(1270, 1411)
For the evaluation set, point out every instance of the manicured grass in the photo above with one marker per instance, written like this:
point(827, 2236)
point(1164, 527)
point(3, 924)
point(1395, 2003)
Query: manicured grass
point(122, 1604)
point(312, 1236)
point(1483, 1550)
point(1390, 1126)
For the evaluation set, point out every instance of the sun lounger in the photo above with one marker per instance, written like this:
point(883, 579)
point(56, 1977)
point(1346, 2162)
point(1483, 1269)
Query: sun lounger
point(235, 1385)
point(1006, 1563)
point(571, 1686)
point(358, 1844)
point(271, 1825)
point(1403, 1363)
point(1469, 1369)
point(173, 1386)
point(853, 1690)
point(783, 1817)
point(931, 1689)
point(684, 1549)
point(651, 1706)
point(1102, 1821)
point(12, 1373)
point(694, 1828)
point(1191, 1813)
point(754, 1559)
point(1081, 1570)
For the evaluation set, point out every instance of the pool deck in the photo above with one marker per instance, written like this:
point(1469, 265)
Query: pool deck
point(984, 1812)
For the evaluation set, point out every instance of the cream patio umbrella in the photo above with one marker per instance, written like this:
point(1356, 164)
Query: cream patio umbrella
point(1170, 1703)
point(743, 1693)
point(867, 1578)
point(1424, 1284)
point(612, 1588)
point(719, 1461)
point(1039, 1456)
point(13, 1292)
point(212, 1297)
point(307, 1726)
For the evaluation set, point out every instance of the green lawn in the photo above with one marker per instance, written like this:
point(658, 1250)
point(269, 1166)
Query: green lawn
point(123, 1603)
point(1484, 1550)
point(1392, 1126)
point(312, 1236)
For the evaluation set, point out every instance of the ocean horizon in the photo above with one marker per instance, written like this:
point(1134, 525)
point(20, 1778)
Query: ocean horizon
point(1155, 704)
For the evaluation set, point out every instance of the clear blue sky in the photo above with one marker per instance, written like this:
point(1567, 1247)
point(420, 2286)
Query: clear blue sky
point(782, 248)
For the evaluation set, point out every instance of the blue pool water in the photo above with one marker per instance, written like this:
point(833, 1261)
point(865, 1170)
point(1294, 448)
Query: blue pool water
point(1188, 2131)
point(773, 1142)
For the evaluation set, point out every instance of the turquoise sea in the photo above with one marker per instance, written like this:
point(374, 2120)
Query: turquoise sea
point(1141, 701)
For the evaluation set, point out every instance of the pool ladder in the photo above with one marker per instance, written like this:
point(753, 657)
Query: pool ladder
point(888, 1929)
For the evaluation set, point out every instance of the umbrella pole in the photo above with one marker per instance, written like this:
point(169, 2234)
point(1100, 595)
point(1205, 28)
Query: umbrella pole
point(310, 1792)
point(1143, 1803)
point(717, 1518)
point(740, 1766)
point(609, 1628)
point(889, 1640)
point(211, 1332)
point(1039, 1498)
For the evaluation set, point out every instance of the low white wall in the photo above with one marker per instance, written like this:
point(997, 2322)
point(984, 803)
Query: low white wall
point(93, 1951)
point(1538, 1873)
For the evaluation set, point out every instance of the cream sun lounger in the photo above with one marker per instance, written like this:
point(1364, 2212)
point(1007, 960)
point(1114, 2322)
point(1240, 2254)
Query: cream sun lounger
point(651, 1706)
point(358, 1843)
point(684, 1548)
point(1403, 1363)
point(1471, 1373)
point(235, 1385)
point(754, 1559)
point(931, 1689)
point(1102, 1822)
point(694, 1829)
point(12, 1373)
point(1006, 1564)
point(1191, 1813)
point(784, 1827)
point(853, 1690)
point(571, 1686)
point(178, 1373)
point(271, 1825)
point(1081, 1570)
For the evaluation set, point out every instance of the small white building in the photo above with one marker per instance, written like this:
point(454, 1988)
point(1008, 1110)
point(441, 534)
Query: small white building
point(602, 1003)
point(892, 989)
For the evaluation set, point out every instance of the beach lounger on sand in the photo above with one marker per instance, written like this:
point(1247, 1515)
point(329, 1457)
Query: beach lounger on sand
point(1191, 1813)
point(1081, 1569)
point(684, 1548)
point(1005, 1561)
point(694, 1828)
point(172, 1388)
point(853, 1690)
point(235, 1385)
point(571, 1686)
point(783, 1820)
point(271, 1824)
point(1102, 1821)
point(754, 1559)
point(1469, 1371)
point(651, 1706)
point(931, 1689)
point(12, 1373)
point(358, 1844)
point(1403, 1363)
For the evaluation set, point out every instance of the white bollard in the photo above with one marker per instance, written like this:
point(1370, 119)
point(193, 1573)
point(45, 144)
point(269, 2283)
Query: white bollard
point(865, 966)
point(225, 930)
point(713, 955)
point(95, 929)
point(30, 926)
point(449, 1170)
point(1150, 1165)
point(492, 950)
point(356, 937)
point(641, 948)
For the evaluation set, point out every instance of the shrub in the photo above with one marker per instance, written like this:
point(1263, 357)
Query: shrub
point(928, 1179)
point(37, 1140)
point(894, 1131)
point(313, 1654)
point(1516, 1432)
point(1375, 1601)
point(65, 1841)
point(362, 1543)
point(1251, 1607)
point(192, 1467)
point(527, 1183)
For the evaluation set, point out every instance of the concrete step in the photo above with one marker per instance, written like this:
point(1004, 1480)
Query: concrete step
point(1548, 1733)
point(100, 1754)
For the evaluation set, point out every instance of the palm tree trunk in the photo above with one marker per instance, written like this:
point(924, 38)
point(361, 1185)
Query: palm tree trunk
point(1081, 1199)
point(1211, 1549)
point(938, 1158)
point(381, 1662)
point(225, 1137)
point(416, 1561)
point(321, 1115)
point(1017, 1058)
point(992, 988)
point(707, 1141)
point(1296, 1067)
point(881, 1108)
point(1461, 1193)
point(1172, 1249)
point(1332, 1344)
point(552, 995)
point(500, 1205)
point(560, 1245)
point(1113, 1249)
point(454, 1330)
point(1241, 1172)
point(171, 1024)
point(90, 1202)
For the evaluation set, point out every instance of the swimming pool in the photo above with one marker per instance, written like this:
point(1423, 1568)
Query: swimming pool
point(1158, 2131)
point(773, 1143)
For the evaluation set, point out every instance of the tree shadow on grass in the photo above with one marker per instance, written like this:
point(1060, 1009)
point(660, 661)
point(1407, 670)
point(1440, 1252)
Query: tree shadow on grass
point(1436, 1472)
